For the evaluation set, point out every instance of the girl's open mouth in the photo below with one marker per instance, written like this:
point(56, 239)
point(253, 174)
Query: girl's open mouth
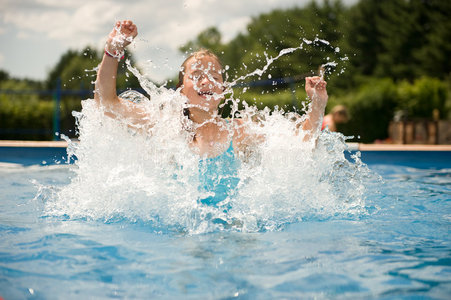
point(205, 93)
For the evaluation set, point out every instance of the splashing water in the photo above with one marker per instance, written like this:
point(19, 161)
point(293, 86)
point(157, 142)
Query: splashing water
point(151, 175)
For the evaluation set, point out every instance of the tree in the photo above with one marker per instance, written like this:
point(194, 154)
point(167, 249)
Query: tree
point(4, 75)
point(78, 69)
point(281, 29)
point(434, 50)
point(210, 39)
point(270, 33)
point(362, 36)
point(400, 39)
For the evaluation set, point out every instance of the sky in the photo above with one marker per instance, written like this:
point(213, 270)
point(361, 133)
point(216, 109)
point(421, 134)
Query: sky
point(35, 33)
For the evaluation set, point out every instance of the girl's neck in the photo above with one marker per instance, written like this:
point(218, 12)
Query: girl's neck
point(200, 116)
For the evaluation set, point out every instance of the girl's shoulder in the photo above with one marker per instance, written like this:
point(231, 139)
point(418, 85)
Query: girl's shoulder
point(239, 131)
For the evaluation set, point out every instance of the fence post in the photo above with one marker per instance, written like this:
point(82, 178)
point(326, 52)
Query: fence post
point(56, 110)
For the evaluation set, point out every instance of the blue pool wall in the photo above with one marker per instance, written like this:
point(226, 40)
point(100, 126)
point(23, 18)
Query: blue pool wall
point(34, 155)
point(57, 155)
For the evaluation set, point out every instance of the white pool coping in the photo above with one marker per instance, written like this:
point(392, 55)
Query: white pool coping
point(352, 146)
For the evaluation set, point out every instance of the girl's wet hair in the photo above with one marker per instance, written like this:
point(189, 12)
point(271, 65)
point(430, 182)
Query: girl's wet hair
point(198, 55)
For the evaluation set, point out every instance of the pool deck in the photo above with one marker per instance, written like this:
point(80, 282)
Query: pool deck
point(33, 144)
point(352, 146)
point(398, 147)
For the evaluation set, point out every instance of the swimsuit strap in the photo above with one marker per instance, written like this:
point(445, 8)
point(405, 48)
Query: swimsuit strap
point(230, 149)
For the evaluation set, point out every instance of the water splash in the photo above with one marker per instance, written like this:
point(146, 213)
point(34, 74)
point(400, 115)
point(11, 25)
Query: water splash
point(149, 174)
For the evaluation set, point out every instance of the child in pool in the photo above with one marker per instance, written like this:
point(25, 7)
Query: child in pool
point(338, 115)
point(201, 82)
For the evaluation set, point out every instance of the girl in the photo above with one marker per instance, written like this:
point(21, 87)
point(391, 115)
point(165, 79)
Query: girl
point(201, 81)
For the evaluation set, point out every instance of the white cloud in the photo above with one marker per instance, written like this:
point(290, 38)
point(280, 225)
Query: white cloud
point(59, 3)
point(230, 29)
point(71, 27)
point(39, 23)
point(23, 35)
point(176, 33)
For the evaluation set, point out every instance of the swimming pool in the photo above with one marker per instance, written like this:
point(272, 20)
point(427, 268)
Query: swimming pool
point(399, 248)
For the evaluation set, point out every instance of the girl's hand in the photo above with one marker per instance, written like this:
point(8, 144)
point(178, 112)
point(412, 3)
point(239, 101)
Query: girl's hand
point(121, 36)
point(316, 90)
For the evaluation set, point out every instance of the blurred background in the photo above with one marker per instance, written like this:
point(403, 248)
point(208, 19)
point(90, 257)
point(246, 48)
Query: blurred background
point(387, 62)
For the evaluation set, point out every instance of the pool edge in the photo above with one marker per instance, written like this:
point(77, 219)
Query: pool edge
point(352, 146)
point(33, 144)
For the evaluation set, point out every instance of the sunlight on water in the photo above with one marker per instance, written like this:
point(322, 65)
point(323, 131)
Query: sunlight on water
point(151, 175)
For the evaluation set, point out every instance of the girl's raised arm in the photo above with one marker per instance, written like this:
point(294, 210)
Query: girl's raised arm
point(316, 91)
point(105, 93)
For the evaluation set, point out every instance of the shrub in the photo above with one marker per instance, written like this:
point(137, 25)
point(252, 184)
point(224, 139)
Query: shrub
point(371, 109)
point(422, 97)
point(30, 119)
point(283, 99)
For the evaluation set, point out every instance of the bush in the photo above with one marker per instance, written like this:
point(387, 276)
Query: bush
point(26, 115)
point(283, 99)
point(372, 106)
point(30, 119)
point(421, 98)
point(371, 109)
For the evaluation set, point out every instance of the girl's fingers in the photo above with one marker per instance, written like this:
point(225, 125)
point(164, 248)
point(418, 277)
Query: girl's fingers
point(315, 82)
point(126, 27)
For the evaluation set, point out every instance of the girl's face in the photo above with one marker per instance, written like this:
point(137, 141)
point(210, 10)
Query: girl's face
point(203, 83)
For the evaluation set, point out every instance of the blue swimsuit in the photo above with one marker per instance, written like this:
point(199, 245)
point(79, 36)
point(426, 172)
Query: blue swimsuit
point(219, 176)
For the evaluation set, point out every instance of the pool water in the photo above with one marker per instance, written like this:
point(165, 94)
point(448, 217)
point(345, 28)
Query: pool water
point(400, 248)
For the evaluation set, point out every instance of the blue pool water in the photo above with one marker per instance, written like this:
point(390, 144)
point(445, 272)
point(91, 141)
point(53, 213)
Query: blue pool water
point(400, 248)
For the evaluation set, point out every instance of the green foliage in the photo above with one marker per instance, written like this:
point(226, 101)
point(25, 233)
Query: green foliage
point(280, 29)
point(372, 106)
point(435, 48)
point(27, 114)
point(272, 32)
point(210, 39)
point(3, 75)
point(283, 99)
point(422, 97)
point(19, 89)
point(371, 109)
point(56, 72)
point(77, 70)
point(286, 100)
point(24, 114)
point(78, 73)
point(401, 39)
